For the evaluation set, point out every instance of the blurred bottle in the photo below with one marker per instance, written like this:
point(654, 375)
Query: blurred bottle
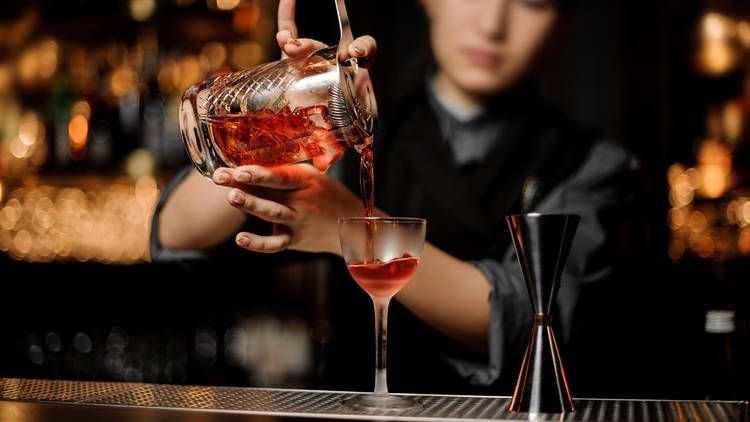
point(721, 376)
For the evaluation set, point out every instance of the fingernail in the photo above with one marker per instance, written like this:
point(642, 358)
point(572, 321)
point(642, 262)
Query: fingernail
point(222, 178)
point(243, 240)
point(358, 49)
point(242, 177)
point(236, 198)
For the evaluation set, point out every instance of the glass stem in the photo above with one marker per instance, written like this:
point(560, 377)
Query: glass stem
point(381, 342)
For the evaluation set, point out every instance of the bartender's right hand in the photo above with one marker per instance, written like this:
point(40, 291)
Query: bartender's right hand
point(293, 46)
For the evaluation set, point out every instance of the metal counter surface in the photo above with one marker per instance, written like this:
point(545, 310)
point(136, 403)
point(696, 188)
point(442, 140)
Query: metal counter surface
point(50, 400)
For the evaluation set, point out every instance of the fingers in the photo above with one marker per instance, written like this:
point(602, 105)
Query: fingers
point(264, 209)
point(287, 36)
point(282, 177)
point(297, 47)
point(364, 47)
point(283, 38)
point(324, 162)
point(264, 244)
point(224, 177)
point(287, 27)
point(286, 17)
point(249, 177)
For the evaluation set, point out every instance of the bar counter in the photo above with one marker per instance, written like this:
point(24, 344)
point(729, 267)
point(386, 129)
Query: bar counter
point(50, 400)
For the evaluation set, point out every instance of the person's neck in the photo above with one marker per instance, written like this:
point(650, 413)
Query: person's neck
point(520, 95)
point(449, 92)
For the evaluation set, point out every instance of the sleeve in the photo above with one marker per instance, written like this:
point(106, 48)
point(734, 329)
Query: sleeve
point(160, 253)
point(599, 192)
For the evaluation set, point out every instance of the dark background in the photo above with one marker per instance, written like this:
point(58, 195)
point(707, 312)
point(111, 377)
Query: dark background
point(624, 67)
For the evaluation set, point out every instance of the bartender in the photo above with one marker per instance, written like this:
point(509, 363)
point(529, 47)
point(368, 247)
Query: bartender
point(470, 143)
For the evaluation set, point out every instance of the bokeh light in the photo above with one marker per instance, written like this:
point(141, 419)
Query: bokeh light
point(717, 27)
point(227, 4)
point(141, 10)
point(106, 222)
point(246, 54)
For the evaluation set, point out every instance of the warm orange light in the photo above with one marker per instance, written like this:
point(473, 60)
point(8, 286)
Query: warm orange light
point(743, 241)
point(19, 149)
point(123, 81)
point(246, 54)
point(141, 10)
point(713, 180)
point(715, 165)
point(140, 163)
point(680, 197)
point(717, 27)
point(81, 107)
point(215, 54)
point(169, 75)
point(116, 54)
point(743, 33)
point(743, 213)
point(731, 211)
point(246, 18)
point(48, 52)
point(5, 240)
point(732, 120)
point(28, 66)
point(106, 223)
point(714, 152)
point(676, 249)
point(706, 247)
point(78, 130)
point(146, 192)
point(697, 222)
point(29, 129)
point(716, 57)
point(6, 76)
point(693, 177)
point(22, 242)
point(673, 172)
point(190, 71)
point(227, 4)
point(676, 218)
point(11, 213)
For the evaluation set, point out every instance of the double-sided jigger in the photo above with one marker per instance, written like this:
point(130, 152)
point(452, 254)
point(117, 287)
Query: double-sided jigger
point(542, 244)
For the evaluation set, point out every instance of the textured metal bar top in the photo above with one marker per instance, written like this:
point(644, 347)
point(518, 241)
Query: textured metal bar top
point(47, 400)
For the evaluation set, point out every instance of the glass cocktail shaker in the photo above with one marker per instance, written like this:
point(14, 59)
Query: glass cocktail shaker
point(282, 112)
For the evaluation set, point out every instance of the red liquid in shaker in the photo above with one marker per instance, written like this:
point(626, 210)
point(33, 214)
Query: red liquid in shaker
point(270, 139)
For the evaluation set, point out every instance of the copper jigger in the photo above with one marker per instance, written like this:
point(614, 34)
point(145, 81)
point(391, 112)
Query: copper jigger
point(542, 243)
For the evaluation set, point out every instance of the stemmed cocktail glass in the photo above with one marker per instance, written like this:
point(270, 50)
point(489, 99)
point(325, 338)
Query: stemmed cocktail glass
point(382, 254)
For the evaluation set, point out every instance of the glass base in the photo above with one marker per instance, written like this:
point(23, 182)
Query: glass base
point(381, 402)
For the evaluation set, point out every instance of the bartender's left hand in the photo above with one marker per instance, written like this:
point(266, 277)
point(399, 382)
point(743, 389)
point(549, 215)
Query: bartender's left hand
point(303, 203)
